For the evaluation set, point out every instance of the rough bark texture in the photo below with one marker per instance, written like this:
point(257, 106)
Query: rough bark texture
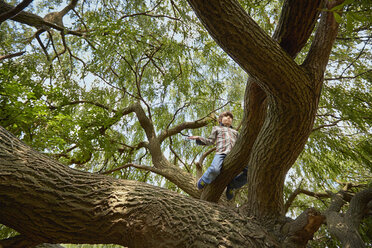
point(60, 204)
point(270, 141)
point(300, 231)
point(346, 226)
point(15, 11)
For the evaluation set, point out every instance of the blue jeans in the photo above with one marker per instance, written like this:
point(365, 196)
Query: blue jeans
point(240, 180)
point(215, 168)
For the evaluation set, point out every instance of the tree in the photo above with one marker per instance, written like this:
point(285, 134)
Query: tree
point(150, 90)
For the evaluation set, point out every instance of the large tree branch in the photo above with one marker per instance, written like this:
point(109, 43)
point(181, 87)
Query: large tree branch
point(345, 227)
point(291, 37)
point(296, 23)
point(302, 229)
point(162, 167)
point(186, 125)
point(63, 205)
point(175, 174)
point(318, 56)
point(34, 20)
point(257, 53)
point(18, 241)
point(360, 206)
point(15, 11)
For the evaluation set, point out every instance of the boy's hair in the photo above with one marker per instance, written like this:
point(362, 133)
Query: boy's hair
point(226, 113)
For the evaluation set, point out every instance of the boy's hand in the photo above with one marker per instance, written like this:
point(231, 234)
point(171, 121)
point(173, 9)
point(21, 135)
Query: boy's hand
point(193, 137)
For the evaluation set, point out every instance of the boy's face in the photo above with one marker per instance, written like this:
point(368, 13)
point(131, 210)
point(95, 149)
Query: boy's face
point(226, 121)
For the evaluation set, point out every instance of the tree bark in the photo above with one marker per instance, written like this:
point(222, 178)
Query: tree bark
point(33, 20)
point(291, 38)
point(63, 205)
point(346, 226)
point(292, 93)
point(13, 12)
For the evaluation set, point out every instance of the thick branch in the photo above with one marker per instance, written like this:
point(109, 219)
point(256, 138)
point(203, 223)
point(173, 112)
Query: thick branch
point(19, 241)
point(318, 56)
point(63, 205)
point(359, 206)
point(145, 122)
point(292, 38)
point(257, 53)
point(186, 125)
point(15, 11)
point(301, 230)
point(345, 227)
point(296, 23)
point(34, 20)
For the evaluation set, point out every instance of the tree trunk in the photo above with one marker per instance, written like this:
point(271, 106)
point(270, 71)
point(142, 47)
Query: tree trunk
point(292, 92)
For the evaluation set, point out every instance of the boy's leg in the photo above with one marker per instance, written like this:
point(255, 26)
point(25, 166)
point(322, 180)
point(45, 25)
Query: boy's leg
point(236, 183)
point(240, 180)
point(214, 169)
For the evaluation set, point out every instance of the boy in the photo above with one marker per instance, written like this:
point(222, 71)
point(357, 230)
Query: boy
point(224, 137)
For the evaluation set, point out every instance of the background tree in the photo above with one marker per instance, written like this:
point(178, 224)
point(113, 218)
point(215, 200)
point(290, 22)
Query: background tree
point(116, 87)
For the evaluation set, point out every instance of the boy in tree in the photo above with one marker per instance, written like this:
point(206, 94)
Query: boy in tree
point(225, 137)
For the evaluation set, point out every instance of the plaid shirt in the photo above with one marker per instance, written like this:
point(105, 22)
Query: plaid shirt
point(224, 137)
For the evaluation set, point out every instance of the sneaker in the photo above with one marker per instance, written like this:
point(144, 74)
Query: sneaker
point(200, 184)
point(229, 193)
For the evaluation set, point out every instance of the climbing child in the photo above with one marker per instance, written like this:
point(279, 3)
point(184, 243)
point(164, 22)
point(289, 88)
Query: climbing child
point(224, 136)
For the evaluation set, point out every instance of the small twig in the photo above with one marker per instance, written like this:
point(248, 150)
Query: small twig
point(199, 164)
point(178, 110)
point(146, 13)
point(326, 125)
point(360, 54)
point(9, 56)
point(178, 157)
point(83, 102)
point(350, 77)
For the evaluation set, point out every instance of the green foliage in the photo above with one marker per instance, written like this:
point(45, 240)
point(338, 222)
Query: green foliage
point(70, 107)
point(338, 149)
point(6, 232)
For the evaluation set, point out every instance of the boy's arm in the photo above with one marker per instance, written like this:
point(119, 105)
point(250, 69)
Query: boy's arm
point(206, 141)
